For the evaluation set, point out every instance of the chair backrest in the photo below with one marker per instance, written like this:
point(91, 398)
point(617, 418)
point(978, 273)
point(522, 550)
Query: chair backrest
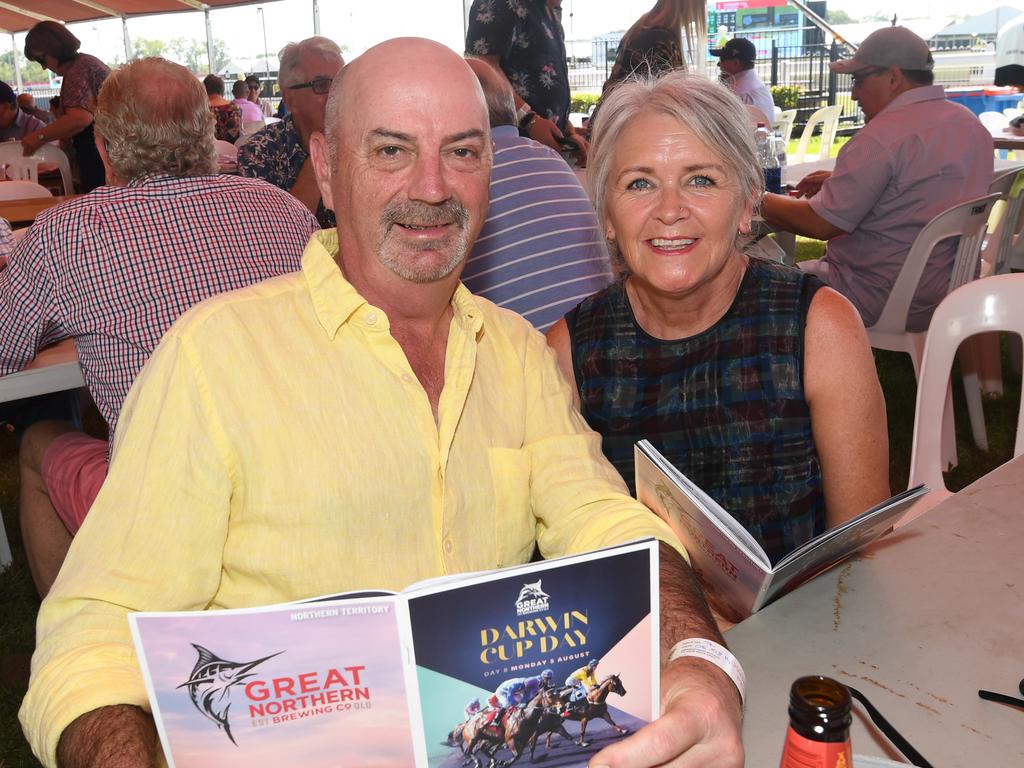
point(993, 304)
point(226, 150)
point(1010, 186)
point(18, 166)
point(252, 126)
point(965, 220)
point(783, 124)
point(21, 190)
point(50, 153)
point(994, 121)
point(828, 119)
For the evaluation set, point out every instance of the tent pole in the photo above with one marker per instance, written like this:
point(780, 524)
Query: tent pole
point(316, 17)
point(209, 41)
point(127, 39)
point(19, 85)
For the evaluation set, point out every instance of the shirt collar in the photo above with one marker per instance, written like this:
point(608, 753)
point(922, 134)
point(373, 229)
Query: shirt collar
point(336, 301)
point(916, 96)
point(504, 131)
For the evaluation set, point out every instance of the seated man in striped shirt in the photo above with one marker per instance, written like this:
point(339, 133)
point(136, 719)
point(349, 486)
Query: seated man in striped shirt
point(115, 268)
point(541, 251)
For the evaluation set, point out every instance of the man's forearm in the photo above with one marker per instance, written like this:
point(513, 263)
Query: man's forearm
point(110, 737)
point(796, 215)
point(684, 611)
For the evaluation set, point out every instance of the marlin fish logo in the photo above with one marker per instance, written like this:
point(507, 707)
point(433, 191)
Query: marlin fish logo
point(209, 685)
point(532, 591)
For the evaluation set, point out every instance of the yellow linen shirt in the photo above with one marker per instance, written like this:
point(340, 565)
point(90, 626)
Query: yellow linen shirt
point(278, 446)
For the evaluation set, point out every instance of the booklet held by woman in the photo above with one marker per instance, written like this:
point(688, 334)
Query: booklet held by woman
point(737, 575)
point(381, 679)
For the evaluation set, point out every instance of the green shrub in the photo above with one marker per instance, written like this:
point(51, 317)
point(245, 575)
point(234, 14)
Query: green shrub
point(582, 102)
point(786, 96)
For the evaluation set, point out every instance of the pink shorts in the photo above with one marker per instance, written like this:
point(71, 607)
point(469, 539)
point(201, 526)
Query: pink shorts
point(74, 468)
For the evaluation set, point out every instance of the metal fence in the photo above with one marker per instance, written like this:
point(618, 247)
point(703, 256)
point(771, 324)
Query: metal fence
point(803, 65)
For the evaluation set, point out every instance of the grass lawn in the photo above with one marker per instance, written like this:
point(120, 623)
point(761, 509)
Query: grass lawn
point(19, 604)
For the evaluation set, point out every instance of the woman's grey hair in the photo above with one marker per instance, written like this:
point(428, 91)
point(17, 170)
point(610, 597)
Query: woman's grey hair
point(705, 108)
point(289, 56)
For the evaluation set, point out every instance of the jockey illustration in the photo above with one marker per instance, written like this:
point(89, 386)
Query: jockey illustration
point(472, 708)
point(582, 681)
point(518, 692)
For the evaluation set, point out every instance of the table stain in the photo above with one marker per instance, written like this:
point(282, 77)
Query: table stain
point(837, 601)
point(922, 705)
point(975, 731)
point(940, 699)
point(867, 679)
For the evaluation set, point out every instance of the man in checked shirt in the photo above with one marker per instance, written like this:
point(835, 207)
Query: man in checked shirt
point(115, 268)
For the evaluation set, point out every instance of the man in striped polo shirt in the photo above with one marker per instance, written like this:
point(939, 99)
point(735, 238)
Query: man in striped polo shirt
point(541, 251)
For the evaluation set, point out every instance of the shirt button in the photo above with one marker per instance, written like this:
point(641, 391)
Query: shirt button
point(448, 546)
point(371, 318)
point(406, 378)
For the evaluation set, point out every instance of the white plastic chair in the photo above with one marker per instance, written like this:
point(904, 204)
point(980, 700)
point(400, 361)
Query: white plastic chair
point(252, 126)
point(993, 304)
point(50, 153)
point(18, 166)
point(828, 119)
point(783, 124)
point(967, 221)
point(226, 150)
point(22, 190)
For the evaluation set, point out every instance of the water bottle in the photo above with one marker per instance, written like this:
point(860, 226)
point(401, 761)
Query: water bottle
point(780, 149)
point(766, 155)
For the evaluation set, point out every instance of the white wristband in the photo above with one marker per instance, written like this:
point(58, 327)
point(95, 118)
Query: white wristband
point(717, 654)
point(522, 112)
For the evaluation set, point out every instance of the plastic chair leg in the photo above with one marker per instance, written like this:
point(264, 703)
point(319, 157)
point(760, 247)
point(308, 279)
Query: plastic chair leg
point(5, 547)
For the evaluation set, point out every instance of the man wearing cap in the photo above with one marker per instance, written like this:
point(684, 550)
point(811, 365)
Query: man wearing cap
point(917, 155)
point(15, 123)
point(736, 64)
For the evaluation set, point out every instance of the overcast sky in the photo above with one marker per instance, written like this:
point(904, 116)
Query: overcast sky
point(358, 24)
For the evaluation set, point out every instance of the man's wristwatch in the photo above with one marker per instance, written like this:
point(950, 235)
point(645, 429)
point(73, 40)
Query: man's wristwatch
point(41, 138)
point(526, 121)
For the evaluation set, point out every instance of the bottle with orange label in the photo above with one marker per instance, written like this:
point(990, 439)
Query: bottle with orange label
point(819, 725)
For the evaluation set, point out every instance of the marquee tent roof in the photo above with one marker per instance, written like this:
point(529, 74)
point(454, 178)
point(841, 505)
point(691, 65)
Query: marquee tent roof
point(20, 15)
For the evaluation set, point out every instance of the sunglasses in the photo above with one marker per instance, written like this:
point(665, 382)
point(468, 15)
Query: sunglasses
point(320, 85)
point(859, 77)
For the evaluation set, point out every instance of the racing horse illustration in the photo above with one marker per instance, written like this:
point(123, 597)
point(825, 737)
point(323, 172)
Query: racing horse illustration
point(595, 706)
point(514, 731)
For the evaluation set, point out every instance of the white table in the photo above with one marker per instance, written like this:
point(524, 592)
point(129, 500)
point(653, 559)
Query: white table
point(53, 370)
point(919, 623)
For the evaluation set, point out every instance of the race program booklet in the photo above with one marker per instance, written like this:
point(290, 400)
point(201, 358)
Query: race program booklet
point(377, 679)
point(737, 575)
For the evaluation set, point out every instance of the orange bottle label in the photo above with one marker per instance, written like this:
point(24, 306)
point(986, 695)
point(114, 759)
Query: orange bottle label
point(800, 752)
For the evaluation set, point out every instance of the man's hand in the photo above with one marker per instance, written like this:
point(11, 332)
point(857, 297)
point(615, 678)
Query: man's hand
point(546, 132)
point(110, 737)
point(811, 183)
point(700, 724)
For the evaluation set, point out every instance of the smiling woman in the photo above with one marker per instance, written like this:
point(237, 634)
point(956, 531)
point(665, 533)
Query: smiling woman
point(751, 377)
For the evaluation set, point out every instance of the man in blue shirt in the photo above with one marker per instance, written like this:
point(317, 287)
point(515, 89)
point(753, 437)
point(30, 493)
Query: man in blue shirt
point(279, 153)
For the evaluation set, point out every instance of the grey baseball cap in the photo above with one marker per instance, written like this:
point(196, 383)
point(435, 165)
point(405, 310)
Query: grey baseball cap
point(888, 47)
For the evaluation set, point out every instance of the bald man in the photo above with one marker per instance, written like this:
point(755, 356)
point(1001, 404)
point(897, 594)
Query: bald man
point(381, 365)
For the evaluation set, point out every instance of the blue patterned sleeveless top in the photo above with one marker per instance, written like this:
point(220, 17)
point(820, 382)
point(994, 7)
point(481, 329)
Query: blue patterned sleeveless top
point(726, 406)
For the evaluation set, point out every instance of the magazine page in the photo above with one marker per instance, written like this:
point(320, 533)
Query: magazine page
point(731, 578)
point(519, 634)
point(728, 525)
point(837, 544)
point(317, 684)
